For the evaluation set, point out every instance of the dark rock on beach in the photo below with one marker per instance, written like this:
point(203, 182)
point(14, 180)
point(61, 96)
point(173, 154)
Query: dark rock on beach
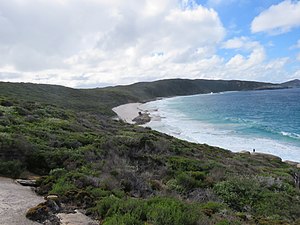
point(45, 212)
point(30, 183)
point(142, 118)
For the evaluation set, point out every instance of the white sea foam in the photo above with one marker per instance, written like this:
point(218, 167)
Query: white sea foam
point(178, 125)
point(292, 135)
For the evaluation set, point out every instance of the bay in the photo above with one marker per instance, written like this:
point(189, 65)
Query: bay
point(267, 120)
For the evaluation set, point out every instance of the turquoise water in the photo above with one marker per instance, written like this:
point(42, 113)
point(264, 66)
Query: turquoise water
point(267, 120)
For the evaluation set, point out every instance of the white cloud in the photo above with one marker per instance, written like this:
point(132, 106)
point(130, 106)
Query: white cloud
point(234, 43)
point(250, 62)
point(296, 75)
point(298, 57)
point(105, 41)
point(96, 42)
point(241, 43)
point(242, 63)
point(278, 18)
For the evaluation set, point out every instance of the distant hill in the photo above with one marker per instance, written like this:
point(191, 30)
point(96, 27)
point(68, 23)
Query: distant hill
point(291, 84)
point(101, 100)
point(174, 87)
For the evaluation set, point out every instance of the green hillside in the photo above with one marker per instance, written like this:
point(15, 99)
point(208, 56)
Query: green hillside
point(101, 100)
point(174, 87)
point(76, 99)
point(125, 174)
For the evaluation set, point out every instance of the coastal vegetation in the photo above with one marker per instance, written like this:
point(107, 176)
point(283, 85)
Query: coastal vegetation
point(126, 174)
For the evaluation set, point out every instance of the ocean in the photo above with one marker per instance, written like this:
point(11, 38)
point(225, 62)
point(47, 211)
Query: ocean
point(267, 120)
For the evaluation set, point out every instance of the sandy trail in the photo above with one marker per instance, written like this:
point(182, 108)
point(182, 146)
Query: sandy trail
point(15, 200)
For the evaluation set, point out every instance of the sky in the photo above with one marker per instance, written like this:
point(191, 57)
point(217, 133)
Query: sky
point(97, 43)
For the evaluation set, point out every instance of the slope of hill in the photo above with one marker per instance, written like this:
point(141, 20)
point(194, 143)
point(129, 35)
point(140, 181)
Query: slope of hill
point(69, 98)
point(125, 174)
point(291, 84)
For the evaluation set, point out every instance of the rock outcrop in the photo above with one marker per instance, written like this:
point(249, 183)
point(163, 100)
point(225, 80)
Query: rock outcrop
point(30, 183)
point(45, 212)
point(142, 118)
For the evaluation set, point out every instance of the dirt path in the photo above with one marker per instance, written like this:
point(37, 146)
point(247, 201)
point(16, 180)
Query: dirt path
point(15, 200)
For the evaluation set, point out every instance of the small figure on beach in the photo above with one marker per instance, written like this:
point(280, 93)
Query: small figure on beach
point(254, 150)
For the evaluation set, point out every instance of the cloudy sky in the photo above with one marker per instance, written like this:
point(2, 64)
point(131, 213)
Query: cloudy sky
point(94, 43)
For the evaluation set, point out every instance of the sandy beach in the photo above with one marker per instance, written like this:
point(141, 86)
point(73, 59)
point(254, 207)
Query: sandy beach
point(128, 112)
point(15, 200)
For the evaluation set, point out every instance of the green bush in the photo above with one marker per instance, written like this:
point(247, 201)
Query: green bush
point(62, 186)
point(211, 208)
point(178, 163)
point(21, 111)
point(278, 205)
point(98, 193)
point(168, 211)
point(37, 162)
point(156, 211)
point(58, 172)
point(172, 184)
point(239, 193)
point(105, 204)
point(187, 181)
point(11, 168)
point(126, 219)
point(255, 195)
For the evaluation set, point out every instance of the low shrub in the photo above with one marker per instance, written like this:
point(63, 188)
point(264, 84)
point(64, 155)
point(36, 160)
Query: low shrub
point(62, 186)
point(126, 219)
point(187, 181)
point(157, 210)
point(239, 193)
point(11, 168)
point(168, 211)
point(211, 208)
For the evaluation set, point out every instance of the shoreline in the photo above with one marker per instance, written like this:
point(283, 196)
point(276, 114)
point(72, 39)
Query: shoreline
point(127, 113)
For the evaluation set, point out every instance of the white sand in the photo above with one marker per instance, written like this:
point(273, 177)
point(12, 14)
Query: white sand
point(128, 112)
point(15, 200)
